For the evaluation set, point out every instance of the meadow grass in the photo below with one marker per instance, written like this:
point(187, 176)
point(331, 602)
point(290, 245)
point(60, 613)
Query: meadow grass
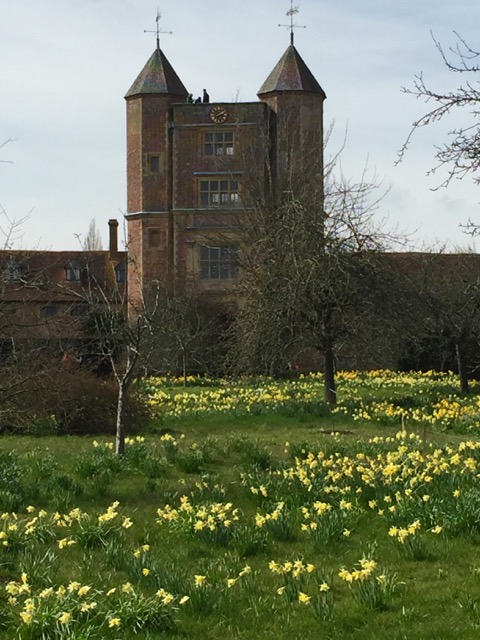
point(243, 526)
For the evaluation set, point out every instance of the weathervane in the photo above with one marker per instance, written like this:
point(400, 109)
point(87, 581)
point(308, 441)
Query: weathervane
point(290, 13)
point(158, 31)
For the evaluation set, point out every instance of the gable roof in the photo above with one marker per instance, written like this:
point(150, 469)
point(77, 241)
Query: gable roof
point(291, 74)
point(157, 76)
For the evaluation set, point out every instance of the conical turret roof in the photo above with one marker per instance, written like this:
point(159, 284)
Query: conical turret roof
point(291, 74)
point(157, 76)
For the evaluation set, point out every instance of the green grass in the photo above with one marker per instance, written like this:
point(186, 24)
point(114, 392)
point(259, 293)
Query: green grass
point(218, 462)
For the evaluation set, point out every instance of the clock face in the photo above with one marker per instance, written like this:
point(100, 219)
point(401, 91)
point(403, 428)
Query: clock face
point(218, 114)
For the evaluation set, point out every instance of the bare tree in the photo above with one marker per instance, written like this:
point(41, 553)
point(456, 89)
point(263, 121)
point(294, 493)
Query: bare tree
point(444, 312)
point(188, 334)
point(135, 335)
point(117, 335)
point(10, 229)
point(460, 155)
point(3, 144)
point(309, 272)
point(93, 240)
point(122, 343)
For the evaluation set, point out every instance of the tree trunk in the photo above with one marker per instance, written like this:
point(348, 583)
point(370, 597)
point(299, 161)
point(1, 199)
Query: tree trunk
point(121, 417)
point(462, 367)
point(330, 388)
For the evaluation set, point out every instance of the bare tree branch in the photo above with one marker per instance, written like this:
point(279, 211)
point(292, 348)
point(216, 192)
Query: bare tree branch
point(460, 155)
point(3, 144)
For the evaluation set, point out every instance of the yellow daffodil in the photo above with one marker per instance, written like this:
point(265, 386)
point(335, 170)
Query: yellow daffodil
point(65, 617)
point(304, 598)
point(200, 580)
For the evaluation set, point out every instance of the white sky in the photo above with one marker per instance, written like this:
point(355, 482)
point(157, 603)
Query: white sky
point(66, 65)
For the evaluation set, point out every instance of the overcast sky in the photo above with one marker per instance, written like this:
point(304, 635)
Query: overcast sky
point(66, 65)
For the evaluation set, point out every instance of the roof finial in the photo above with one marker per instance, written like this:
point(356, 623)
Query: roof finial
point(158, 31)
point(290, 13)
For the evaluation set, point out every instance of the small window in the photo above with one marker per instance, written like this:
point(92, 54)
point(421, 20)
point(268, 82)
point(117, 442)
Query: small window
point(49, 311)
point(154, 237)
point(73, 272)
point(120, 273)
point(154, 164)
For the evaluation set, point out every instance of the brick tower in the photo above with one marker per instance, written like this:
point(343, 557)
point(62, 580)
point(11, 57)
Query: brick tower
point(149, 176)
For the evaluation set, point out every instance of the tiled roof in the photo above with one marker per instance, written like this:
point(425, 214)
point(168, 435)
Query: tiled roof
point(157, 76)
point(291, 74)
point(37, 275)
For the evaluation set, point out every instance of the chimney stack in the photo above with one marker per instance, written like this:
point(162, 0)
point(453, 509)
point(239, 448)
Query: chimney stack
point(113, 235)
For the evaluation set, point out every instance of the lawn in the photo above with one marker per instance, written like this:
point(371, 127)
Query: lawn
point(264, 516)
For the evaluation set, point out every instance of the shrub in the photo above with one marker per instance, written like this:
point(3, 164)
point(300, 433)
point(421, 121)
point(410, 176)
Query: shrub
point(70, 402)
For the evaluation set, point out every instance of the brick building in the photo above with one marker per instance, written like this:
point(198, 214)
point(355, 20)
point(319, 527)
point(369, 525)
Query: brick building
point(46, 296)
point(191, 167)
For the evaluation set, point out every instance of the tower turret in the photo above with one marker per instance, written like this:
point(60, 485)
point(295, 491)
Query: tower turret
point(149, 99)
point(296, 98)
point(149, 171)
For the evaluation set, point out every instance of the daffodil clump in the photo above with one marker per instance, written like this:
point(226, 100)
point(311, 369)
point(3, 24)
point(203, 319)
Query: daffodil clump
point(295, 576)
point(410, 540)
point(209, 593)
point(428, 398)
point(446, 413)
point(324, 523)
point(398, 479)
point(96, 530)
point(153, 382)
point(281, 522)
point(237, 398)
point(214, 523)
point(303, 583)
point(64, 530)
point(420, 398)
point(370, 586)
point(73, 609)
